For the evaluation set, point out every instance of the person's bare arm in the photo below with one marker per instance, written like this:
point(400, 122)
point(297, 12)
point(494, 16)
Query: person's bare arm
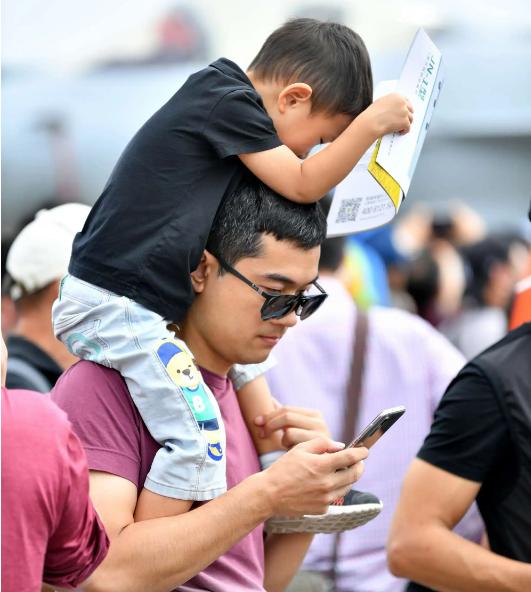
point(162, 553)
point(308, 180)
point(423, 548)
point(254, 399)
point(283, 555)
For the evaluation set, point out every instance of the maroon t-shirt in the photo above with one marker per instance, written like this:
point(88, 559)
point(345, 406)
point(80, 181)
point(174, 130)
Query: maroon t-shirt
point(50, 531)
point(116, 441)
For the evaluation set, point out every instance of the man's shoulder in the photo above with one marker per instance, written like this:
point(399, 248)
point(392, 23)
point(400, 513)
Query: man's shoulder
point(89, 384)
point(105, 419)
point(510, 348)
point(400, 334)
point(401, 320)
point(394, 323)
point(94, 374)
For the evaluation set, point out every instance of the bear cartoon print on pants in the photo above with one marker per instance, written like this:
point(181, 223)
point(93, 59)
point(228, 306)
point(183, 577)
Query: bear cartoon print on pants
point(182, 369)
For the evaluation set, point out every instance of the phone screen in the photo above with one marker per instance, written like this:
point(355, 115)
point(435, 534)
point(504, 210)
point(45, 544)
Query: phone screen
point(378, 426)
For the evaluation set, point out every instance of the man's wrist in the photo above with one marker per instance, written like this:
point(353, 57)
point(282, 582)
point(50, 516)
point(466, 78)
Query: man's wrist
point(262, 495)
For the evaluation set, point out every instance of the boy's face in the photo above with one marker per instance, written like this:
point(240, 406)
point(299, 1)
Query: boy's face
point(301, 130)
point(224, 325)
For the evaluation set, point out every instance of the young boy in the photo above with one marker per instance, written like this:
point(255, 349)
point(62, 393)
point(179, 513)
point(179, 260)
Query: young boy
point(310, 84)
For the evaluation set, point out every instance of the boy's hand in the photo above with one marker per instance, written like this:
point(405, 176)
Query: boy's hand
point(390, 113)
point(297, 424)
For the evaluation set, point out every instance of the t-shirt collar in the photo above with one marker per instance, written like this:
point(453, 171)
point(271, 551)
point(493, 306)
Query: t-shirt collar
point(231, 69)
point(213, 380)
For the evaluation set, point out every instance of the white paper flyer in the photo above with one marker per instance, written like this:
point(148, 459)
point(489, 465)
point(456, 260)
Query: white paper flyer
point(372, 193)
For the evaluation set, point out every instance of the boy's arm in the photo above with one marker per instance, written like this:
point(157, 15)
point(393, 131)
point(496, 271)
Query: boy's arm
point(308, 180)
point(255, 400)
point(284, 554)
point(274, 426)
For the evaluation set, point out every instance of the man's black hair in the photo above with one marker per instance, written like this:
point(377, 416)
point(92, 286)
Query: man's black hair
point(330, 57)
point(253, 210)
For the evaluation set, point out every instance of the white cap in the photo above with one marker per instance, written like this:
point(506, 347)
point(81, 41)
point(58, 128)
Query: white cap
point(41, 252)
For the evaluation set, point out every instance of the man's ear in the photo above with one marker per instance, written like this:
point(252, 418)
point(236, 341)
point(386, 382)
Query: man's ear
point(207, 266)
point(294, 95)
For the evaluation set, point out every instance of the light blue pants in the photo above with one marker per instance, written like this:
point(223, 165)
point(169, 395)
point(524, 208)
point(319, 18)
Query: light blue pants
point(177, 407)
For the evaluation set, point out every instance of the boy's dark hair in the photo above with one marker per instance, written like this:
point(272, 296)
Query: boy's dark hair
point(330, 57)
point(253, 210)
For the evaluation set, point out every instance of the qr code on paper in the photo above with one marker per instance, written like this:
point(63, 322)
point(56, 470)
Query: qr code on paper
point(348, 210)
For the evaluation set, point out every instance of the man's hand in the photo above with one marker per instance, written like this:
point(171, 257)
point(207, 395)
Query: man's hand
point(297, 424)
point(390, 113)
point(306, 480)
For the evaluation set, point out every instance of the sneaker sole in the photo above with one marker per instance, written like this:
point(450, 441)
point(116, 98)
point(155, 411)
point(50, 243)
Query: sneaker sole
point(337, 519)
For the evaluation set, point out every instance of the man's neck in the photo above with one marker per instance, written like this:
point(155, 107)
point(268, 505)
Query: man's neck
point(204, 355)
point(37, 328)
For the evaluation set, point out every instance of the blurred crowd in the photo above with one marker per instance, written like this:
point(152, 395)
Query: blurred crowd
point(446, 266)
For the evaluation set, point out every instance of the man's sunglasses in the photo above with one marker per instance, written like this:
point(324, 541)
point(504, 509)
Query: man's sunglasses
point(277, 306)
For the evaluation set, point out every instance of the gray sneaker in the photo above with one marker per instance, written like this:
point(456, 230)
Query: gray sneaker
point(357, 509)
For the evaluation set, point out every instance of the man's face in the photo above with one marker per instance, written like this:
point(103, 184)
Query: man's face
point(224, 326)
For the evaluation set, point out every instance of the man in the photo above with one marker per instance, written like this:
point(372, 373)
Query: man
point(218, 546)
point(36, 261)
point(50, 531)
point(479, 448)
point(406, 362)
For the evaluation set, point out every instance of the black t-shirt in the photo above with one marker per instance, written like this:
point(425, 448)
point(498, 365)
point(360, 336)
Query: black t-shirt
point(482, 432)
point(29, 367)
point(469, 436)
point(148, 229)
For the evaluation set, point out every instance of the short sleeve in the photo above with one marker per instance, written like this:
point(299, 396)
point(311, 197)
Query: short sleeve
point(468, 435)
point(239, 124)
point(102, 414)
point(79, 542)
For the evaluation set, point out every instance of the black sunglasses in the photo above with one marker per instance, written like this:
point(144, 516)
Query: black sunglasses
point(277, 306)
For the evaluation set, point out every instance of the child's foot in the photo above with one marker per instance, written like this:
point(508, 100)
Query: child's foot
point(357, 509)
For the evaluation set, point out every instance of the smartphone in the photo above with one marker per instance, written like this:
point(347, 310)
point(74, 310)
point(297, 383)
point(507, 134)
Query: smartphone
point(378, 426)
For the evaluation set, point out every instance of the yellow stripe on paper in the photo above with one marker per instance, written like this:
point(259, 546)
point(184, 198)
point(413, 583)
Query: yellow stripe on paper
point(388, 183)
